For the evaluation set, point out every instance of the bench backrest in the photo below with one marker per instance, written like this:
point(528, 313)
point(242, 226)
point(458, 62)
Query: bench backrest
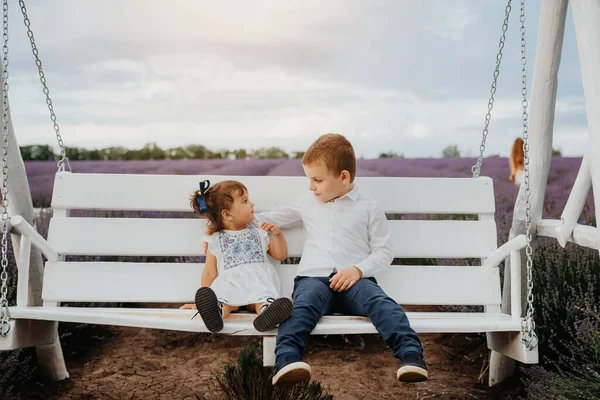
point(179, 235)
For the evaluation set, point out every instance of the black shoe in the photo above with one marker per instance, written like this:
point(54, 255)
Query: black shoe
point(275, 313)
point(412, 368)
point(292, 370)
point(209, 309)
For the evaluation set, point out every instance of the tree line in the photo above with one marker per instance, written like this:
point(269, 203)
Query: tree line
point(151, 151)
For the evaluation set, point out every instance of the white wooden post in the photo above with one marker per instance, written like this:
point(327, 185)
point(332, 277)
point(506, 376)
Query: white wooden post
point(50, 356)
point(24, 261)
point(586, 18)
point(515, 284)
point(577, 198)
point(541, 120)
point(269, 351)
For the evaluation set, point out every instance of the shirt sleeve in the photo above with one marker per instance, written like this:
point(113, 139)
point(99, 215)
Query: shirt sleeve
point(213, 245)
point(380, 242)
point(284, 217)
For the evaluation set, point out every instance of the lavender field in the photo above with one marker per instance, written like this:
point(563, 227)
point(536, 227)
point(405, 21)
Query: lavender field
point(567, 281)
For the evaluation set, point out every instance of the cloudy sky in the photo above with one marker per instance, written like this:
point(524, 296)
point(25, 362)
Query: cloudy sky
point(404, 76)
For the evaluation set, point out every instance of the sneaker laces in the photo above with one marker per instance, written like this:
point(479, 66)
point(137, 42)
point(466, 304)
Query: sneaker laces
point(269, 301)
point(220, 310)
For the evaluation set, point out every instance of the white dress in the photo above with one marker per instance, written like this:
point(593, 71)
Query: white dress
point(246, 275)
point(519, 177)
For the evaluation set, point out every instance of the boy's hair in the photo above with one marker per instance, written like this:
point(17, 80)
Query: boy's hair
point(335, 151)
point(218, 198)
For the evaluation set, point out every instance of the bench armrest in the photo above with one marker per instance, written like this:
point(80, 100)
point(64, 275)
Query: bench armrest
point(20, 225)
point(503, 252)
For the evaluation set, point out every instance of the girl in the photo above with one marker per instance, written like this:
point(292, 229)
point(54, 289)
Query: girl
point(237, 270)
point(517, 162)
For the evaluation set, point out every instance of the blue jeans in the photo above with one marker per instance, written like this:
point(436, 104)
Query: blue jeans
point(313, 298)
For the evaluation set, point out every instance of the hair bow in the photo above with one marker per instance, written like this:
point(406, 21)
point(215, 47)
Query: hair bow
point(200, 199)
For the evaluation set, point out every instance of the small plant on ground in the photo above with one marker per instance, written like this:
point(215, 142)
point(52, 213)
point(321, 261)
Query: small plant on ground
point(17, 370)
point(247, 379)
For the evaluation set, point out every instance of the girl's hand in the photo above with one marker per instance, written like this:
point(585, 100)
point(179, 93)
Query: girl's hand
point(188, 307)
point(270, 228)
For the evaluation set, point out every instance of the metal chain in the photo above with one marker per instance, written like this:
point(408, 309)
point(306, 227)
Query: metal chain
point(529, 339)
point(476, 169)
point(4, 316)
point(63, 154)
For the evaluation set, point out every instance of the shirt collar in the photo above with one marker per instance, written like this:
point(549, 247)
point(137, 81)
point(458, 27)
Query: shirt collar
point(352, 195)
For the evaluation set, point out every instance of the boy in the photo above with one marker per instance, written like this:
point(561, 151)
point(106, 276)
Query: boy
point(347, 241)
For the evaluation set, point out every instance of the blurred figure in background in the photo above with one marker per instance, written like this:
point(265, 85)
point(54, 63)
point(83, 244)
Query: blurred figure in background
point(517, 162)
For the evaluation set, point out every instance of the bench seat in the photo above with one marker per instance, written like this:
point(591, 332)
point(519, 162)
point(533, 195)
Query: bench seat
point(241, 323)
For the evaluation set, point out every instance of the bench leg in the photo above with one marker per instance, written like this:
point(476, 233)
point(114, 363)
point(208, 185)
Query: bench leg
point(29, 293)
point(51, 360)
point(506, 347)
point(501, 368)
point(269, 351)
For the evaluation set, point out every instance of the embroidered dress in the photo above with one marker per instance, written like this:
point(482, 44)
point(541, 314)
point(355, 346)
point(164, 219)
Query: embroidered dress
point(246, 275)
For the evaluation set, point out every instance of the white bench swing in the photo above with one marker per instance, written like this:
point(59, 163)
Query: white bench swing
point(67, 281)
point(161, 282)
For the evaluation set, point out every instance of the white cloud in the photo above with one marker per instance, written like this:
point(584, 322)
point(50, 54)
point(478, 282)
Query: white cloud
point(418, 131)
point(570, 140)
point(450, 23)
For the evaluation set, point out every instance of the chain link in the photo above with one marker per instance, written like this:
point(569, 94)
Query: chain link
point(476, 169)
point(530, 338)
point(63, 154)
point(4, 316)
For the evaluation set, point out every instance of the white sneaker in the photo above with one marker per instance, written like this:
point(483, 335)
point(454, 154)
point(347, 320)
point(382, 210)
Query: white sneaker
point(411, 373)
point(296, 372)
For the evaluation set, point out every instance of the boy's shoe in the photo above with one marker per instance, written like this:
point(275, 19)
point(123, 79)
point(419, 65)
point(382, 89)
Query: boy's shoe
point(274, 313)
point(412, 368)
point(293, 371)
point(210, 309)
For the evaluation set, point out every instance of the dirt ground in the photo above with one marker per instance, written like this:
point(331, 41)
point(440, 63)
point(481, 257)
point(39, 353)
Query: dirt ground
point(130, 363)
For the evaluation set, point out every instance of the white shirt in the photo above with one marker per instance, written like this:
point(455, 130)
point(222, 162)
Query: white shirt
point(349, 231)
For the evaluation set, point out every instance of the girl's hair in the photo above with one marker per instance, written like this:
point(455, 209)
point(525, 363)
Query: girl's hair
point(218, 198)
point(517, 155)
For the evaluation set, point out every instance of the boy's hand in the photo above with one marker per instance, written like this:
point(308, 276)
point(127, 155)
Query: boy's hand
point(188, 307)
point(345, 279)
point(270, 228)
